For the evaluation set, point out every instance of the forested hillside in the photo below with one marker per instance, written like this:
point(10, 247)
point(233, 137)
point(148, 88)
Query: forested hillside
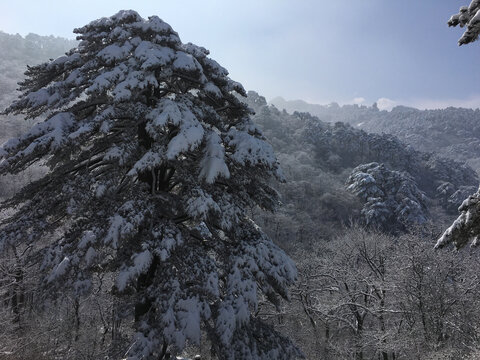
point(394, 185)
point(452, 133)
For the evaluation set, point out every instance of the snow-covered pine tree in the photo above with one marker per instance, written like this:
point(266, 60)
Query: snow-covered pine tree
point(153, 162)
point(468, 17)
point(467, 226)
point(391, 198)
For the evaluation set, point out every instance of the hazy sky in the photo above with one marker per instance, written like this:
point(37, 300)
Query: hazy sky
point(316, 50)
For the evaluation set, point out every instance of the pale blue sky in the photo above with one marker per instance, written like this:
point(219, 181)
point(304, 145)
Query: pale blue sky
point(316, 50)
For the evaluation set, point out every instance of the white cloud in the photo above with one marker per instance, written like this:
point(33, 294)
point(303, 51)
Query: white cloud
point(359, 100)
point(386, 104)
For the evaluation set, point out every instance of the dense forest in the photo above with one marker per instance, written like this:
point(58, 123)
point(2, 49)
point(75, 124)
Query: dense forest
point(360, 197)
point(452, 132)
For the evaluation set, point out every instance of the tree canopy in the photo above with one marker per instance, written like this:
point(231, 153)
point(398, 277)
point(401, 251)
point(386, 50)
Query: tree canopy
point(153, 166)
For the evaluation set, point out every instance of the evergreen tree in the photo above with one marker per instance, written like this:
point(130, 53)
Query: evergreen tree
point(391, 198)
point(153, 164)
point(467, 226)
point(468, 17)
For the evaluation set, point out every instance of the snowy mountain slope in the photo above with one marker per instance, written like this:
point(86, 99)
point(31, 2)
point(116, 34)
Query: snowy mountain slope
point(319, 157)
